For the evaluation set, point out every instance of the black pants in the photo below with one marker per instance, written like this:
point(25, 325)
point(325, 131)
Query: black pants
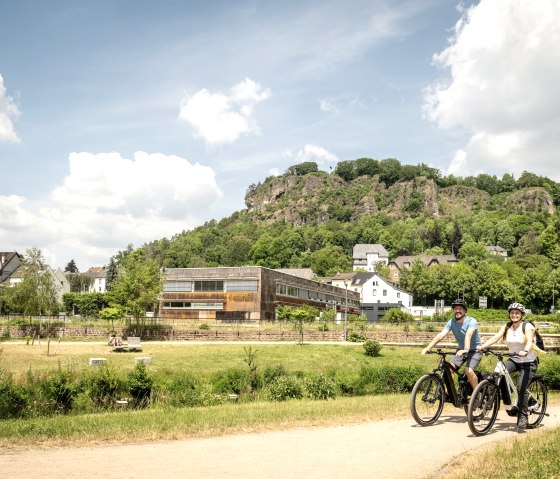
point(526, 373)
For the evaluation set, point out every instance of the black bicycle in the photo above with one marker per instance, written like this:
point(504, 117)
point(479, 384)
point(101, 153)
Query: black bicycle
point(433, 390)
point(500, 387)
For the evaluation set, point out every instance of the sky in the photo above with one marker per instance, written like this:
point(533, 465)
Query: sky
point(127, 121)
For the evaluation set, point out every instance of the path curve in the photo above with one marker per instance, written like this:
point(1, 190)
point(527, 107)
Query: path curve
point(380, 449)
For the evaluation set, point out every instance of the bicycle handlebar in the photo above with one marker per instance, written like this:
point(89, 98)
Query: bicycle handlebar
point(499, 354)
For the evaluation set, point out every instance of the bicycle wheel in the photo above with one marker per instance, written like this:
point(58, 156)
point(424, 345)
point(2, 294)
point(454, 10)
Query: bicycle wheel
point(426, 401)
point(483, 407)
point(538, 396)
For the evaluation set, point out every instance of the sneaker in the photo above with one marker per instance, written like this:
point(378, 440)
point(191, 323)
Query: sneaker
point(522, 423)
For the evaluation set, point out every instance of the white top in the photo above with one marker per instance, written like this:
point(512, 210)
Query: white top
point(517, 341)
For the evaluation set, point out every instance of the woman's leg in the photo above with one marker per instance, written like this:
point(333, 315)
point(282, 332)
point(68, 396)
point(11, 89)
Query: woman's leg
point(526, 372)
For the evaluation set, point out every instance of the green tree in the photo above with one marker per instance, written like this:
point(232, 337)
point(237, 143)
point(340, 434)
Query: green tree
point(303, 169)
point(303, 314)
point(330, 260)
point(137, 290)
point(36, 294)
point(71, 267)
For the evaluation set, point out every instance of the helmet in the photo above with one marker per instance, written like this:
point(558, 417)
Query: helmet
point(517, 306)
point(460, 302)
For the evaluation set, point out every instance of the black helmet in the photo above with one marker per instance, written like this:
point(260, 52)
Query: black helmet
point(460, 302)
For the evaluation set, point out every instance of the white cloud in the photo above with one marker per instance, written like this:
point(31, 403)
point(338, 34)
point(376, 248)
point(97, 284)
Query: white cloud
point(318, 154)
point(107, 202)
point(328, 107)
point(504, 87)
point(8, 112)
point(218, 118)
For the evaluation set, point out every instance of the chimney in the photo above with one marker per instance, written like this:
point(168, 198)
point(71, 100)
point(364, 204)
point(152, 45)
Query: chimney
point(3, 259)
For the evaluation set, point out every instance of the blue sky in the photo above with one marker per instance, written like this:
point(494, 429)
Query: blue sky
point(124, 121)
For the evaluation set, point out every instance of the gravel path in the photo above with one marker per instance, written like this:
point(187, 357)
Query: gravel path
point(381, 449)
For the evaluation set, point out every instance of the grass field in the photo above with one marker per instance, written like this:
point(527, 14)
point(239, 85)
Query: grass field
point(165, 423)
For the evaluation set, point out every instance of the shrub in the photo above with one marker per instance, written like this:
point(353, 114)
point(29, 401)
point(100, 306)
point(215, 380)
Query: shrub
point(270, 373)
point(550, 372)
point(356, 337)
point(234, 380)
point(387, 379)
point(103, 387)
point(13, 399)
point(204, 326)
point(140, 385)
point(372, 348)
point(286, 387)
point(321, 387)
point(60, 391)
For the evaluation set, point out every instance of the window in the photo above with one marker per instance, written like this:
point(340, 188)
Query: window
point(398, 294)
point(384, 292)
point(241, 285)
point(175, 286)
point(374, 292)
point(210, 285)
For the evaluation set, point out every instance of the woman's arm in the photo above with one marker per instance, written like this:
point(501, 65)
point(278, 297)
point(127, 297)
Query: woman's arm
point(494, 339)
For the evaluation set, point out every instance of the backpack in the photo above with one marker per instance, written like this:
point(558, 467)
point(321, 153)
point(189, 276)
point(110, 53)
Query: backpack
point(539, 342)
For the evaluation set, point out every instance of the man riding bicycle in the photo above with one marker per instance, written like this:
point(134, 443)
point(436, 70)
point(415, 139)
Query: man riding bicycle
point(465, 330)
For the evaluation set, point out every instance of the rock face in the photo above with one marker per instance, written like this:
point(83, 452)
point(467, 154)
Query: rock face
point(319, 197)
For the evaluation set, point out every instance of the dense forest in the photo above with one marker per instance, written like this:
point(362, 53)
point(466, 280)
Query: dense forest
point(310, 218)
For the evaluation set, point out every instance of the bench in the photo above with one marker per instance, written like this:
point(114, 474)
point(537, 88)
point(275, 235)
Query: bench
point(97, 361)
point(132, 344)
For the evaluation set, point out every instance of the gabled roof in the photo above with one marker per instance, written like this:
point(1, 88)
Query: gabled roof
point(400, 261)
point(97, 272)
point(361, 250)
point(497, 249)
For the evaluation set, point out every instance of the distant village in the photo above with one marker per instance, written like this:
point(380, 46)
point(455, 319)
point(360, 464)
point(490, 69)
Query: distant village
point(254, 292)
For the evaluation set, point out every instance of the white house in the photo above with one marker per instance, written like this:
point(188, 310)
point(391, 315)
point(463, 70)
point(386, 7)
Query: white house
point(58, 279)
point(365, 257)
point(378, 295)
point(99, 276)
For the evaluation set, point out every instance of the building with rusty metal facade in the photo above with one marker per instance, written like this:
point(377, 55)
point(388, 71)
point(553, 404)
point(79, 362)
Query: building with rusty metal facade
point(248, 293)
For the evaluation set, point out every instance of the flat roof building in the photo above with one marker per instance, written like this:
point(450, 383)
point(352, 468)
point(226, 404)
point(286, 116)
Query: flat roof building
point(249, 293)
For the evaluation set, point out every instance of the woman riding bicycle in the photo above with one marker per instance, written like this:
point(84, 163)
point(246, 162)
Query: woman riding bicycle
point(519, 339)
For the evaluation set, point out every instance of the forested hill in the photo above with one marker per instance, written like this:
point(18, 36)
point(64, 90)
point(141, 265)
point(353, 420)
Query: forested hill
point(310, 218)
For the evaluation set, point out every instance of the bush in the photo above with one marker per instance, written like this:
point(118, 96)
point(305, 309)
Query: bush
point(60, 391)
point(372, 348)
point(13, 399)
point(103, 387)
point(286, 387)
point(550, 372)
point(204, 326)
point(270, 373)
point(140, 385)
point(356, 337)
point(321, 387)
point(233, 381)
point(387, 379)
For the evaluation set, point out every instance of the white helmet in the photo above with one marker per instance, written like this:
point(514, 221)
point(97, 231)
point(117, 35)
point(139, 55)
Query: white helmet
point(518, 306)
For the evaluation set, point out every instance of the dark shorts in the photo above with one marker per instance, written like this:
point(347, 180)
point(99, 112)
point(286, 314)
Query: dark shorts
point(472, 359)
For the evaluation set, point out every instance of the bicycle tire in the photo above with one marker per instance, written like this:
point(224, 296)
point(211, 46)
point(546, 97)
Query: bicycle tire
point(483, 407)
point(538, 399)
point(426, 400)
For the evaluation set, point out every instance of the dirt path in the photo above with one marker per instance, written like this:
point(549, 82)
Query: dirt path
point(382, 449)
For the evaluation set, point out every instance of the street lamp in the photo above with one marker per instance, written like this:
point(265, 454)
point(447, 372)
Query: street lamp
point(346, 311)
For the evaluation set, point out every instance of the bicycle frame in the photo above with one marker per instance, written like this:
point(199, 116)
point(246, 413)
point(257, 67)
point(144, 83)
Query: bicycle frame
point(445, 371)
point(503, 379)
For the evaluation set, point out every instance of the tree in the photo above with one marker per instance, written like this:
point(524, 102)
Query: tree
point(71, 267)
point(304, 314)
point(36, 294)
point(330, 260)
point(79, 282)
point(138, 288)
point(303, 168)
point(111, 274)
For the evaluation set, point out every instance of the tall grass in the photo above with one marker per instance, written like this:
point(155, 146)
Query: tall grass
point(176, 423)
point(534, 456)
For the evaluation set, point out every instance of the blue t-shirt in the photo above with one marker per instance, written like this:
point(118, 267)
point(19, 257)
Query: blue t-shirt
point(460, 329)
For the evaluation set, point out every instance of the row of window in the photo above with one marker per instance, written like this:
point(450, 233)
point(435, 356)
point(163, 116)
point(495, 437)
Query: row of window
point(187, 305)
point(210, 286)
point(303, 293)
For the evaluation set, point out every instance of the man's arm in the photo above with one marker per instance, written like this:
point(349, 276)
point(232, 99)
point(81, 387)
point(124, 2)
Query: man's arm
point(436, 340)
